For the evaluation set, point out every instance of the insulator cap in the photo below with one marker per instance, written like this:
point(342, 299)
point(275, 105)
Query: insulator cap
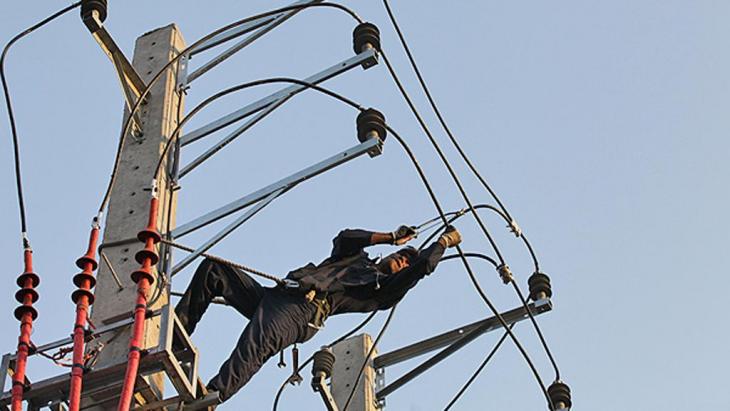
point(363, 34)
point(87, 15)
point(87, 259)
point(25, 276)
point(149, 233)
point(82, 292)
point(20, 311)
point(81, 277)
point(143, 254)
point(324, 361)
point(138, 275)
point(539, 283)
point(370, 120)
point(20, 294)
point(559, 392)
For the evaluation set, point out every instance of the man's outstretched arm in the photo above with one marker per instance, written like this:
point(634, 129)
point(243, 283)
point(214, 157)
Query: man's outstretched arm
point(350, 241)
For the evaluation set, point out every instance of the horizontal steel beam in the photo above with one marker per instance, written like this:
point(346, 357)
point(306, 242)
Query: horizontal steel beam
point(226, 231)
point(258, 195)
point(492, 323)
point(367, 58)
point(442, 340)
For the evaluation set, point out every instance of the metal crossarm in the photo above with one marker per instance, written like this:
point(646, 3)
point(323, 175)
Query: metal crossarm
point(260, 32)
point(287, 182)
point(366, 58)
point(452, 340)
point(228, 230)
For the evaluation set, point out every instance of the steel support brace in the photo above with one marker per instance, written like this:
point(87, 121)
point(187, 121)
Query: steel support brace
point(367, 58)
point(260, 32)
point(285, 183)
point(130, 81)
point(228, 230)
point(457, 339)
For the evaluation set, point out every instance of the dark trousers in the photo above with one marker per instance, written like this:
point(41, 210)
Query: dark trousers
point(277, 320)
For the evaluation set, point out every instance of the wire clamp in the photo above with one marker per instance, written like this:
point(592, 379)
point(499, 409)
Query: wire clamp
point(505, 273)
point(514, 228)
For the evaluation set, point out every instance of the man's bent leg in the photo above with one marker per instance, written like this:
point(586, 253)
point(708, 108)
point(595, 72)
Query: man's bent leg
point(279, 321)
point(211, 280)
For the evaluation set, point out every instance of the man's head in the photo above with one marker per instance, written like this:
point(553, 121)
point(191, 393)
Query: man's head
point(397, 261)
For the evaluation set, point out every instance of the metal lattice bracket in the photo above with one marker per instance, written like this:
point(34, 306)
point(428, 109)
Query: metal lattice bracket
point(175, 355)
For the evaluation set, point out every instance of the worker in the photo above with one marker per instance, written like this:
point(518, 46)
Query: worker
point(348, 281)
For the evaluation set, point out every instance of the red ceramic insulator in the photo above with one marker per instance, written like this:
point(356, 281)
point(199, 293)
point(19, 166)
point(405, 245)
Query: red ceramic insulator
point(25, 314)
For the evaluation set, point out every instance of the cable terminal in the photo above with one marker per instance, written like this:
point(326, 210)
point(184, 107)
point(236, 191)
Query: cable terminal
point(514, 228)
point(505, 273)
point(26, 241)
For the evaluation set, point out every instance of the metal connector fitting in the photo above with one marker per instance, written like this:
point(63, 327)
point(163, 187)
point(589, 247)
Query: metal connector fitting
point(505, 273)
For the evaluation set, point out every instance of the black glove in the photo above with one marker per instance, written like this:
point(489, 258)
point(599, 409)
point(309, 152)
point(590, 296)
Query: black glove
point(450, 238)
point(404, 234)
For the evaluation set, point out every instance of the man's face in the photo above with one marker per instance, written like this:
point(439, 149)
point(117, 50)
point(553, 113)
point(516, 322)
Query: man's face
point(393, 263)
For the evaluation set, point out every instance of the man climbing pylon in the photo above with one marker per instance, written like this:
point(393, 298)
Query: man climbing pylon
point(348, 281)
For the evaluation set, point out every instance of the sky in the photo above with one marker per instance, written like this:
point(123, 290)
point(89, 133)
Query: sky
point(601, 125)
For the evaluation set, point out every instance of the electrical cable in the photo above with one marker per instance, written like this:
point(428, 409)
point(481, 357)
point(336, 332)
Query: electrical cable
point(441, 155)
point(156, 77)
point(478, 371)
point(436, 111)
point(11, 116)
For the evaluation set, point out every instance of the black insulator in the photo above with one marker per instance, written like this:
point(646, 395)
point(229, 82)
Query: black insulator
point(144, 253)
point(81, 277)
point(22, 309)
point(365, 33)
point(88, 6)
point(26, 276)
point(20, 294)
point(370, 120)
point(324, 361)
point(539, 283)
point(82, 292)
point(559, 393)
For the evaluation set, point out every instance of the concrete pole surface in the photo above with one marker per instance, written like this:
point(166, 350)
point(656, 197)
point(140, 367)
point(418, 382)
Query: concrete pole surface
point(349, 357)
point(129, 204)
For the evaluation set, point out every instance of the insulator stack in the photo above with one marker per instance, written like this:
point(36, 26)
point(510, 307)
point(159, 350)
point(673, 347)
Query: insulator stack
point(26, 314)
point(540, 287)
point(83, 298)
point(370, 122)
point(148, 258)
point(324, 362)
point(559, 394)
point(365, 35)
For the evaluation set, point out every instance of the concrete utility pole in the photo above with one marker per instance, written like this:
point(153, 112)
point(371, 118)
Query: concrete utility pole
point(129, 203)
point(350, 355)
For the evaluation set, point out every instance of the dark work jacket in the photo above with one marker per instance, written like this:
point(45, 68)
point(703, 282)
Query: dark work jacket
point(354, 281)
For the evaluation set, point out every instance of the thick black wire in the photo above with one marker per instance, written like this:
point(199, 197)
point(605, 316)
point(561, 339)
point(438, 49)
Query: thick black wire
point(472, 277)
point(438, 112)
point(441, 154)
point(460, 213)
point(11, 117)
point(145, 92)
point(330, 345)
point(478, 371)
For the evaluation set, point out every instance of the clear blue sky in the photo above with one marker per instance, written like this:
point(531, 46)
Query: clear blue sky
point(603, 126)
